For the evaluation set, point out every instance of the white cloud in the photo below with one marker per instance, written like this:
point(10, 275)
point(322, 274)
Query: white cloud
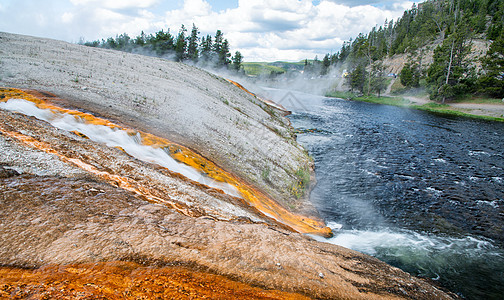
point(261, 29)
point(197, 7)
point(116, 4)
point(286, 29)
point(67, 17)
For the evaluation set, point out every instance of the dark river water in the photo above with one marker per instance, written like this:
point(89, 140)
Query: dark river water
point(420, 191)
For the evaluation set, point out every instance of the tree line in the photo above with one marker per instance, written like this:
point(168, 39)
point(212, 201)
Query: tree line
point(453, 24)
point(206, 51)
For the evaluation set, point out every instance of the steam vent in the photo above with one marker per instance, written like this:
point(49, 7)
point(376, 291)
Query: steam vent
point(125, 177)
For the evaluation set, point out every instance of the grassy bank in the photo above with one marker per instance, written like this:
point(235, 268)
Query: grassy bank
point(442, 109)
point(445, 109)
point(258, 69)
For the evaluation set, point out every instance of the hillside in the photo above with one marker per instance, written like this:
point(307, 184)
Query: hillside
point(449, 49)
point(271, 69)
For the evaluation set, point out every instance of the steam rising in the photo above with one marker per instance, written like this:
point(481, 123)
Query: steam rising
point(114, 137)
point(439, 257)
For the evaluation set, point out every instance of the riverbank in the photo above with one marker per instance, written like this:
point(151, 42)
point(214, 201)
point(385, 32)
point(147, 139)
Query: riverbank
point(493, 111)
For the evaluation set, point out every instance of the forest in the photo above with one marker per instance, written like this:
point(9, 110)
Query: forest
point(451, 25)
point(446, 28)
point(206, 51)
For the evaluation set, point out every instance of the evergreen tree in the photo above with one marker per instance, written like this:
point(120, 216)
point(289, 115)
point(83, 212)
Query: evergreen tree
point(219, 39)
point(161, 43)
point(224, 54)
point(450, 74)
point(326, 63)
point(492, 82)
point(192, 44)
point(237, 61)
point(378, 79)
point(410, 75)
point(181, 45)
point(122, 42)
point(110, 44)
point(334, 58)
point(140, 40)
point(357, 78)
point(206, 47)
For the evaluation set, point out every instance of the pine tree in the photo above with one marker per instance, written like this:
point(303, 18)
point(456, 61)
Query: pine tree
point(378, 79)
point(224, 54)
point(326, 63)
point(217, 45)
point(237, 61)
point(206, 47)
point(192, 44)
point(492, 82)
point(449, 74)
point(140, 40)
point(410, 75)
point(181, 45)
point(357, 78)
point(180, 48)
point(161, 43)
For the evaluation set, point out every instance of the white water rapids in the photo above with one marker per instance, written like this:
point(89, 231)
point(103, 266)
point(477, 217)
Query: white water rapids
point(114, 137)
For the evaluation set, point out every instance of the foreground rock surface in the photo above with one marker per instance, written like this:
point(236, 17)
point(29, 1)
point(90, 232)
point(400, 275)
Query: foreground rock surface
point(67, 223)
point(126, 280)
point(43, 223)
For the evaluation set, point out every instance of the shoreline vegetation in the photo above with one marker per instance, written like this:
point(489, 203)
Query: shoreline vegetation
point(446, 109)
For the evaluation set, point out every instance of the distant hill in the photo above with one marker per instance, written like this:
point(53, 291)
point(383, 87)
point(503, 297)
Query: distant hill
point(255, 69)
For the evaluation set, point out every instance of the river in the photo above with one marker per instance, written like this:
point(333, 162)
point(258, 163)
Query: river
point(420, 191)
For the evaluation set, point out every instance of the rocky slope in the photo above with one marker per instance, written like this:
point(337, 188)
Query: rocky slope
point(182, 103)
point(94, 221)
point(425, 56)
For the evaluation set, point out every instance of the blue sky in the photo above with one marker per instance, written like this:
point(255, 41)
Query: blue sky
point(263, 30)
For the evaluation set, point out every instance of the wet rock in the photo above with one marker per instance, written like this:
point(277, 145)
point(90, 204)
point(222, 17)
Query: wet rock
point(66, 226)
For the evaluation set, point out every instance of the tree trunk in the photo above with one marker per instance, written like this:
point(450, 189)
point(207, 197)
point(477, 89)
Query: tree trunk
point(449, 68)
point(370, 66)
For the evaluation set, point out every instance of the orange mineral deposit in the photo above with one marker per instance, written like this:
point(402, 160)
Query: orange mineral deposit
point(250, 195)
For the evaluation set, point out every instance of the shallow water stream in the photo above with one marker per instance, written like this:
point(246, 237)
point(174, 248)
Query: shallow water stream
point(420, 191)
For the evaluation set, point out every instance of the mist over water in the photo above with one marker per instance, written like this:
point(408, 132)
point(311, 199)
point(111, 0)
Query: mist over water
point(114, 137)
point(422, 192)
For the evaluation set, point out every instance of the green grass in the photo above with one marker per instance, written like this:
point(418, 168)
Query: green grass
point(342, 95)
point(444, 109)
point(265, 68)
point(437, 108)
point(257, 68)
point(396, 101)
point(477, 100)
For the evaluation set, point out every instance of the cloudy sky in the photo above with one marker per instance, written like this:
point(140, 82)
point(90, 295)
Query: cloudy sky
point(262, 30)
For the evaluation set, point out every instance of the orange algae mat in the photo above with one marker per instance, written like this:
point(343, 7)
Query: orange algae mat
point(125, 280)
point(184, 155)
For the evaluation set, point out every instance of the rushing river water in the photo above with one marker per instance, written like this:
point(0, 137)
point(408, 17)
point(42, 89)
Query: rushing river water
point(420, 191)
